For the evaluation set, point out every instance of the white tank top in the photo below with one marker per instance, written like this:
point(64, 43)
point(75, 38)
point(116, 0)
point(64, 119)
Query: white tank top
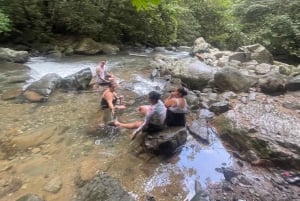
point(177, 108)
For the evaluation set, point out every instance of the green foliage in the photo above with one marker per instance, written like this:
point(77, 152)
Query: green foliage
point(274, 24)
point(4, 23)
point(144, 4)
point(225, 24)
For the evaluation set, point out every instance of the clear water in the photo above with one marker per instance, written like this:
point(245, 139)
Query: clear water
point(166, 179)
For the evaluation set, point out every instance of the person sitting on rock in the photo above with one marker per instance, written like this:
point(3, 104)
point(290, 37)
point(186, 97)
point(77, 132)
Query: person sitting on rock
point(102, 76)
point(176, 108)
point(110, 98)
point(155, 115)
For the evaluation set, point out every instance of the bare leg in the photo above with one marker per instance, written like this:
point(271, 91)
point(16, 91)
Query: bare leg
point(129, 125)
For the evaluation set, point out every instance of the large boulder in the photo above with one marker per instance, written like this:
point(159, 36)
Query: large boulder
point(46, 85)
point(258, 53)
point(191, 71)
point(166, 141)
point(77, 81)
point(109, 48)
point(200, 46)
point(104, 188)
point(10, 55)
point(88, 46)
point(272, 83)
point(230, 79)
point(265, 129)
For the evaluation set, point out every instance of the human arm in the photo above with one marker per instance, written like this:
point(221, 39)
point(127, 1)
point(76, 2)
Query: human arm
point(169, 102)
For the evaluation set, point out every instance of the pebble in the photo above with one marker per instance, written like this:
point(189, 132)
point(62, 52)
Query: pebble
point(35, 150)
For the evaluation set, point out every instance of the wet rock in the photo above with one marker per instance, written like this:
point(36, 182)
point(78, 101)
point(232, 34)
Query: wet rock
point(293, 84)
point(200, 129)
point(10, 55)
point(219, 107)
point(77, 81)
point(30, 197)
point(34, 96)
point(54, 185)
point(10, 185)
point(228, 173)
point(230, 79)
point(104, 188)
point(165, 142)
point(11, 94)
point(201, 194)
point(272, 143)
point(36, 137)
point(46, 85)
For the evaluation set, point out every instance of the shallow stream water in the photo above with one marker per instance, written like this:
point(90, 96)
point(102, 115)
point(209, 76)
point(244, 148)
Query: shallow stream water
point(69, 150)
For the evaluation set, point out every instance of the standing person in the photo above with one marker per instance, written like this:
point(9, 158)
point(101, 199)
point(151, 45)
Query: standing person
point(155, 115)
point(110, 98)
point(102, 76)
point(176, 108)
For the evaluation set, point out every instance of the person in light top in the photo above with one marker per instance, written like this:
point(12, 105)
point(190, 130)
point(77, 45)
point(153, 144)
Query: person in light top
point(102, 76)
point(177, 107)
point(155, 115)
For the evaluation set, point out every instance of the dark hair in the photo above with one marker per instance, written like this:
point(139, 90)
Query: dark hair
point(112, 84)
point(153, 95)
point(182, 91)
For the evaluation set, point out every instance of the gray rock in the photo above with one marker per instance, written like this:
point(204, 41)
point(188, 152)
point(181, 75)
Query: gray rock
point(230, 79)
point(262, 69)
point(30, 197)
point(293, 84)
point(165, 142)
point(272, 83)
point(104, 188)
point(10, 55)
point(240, 56)
point(219, 107)
point(201, 194)
point(200, 129)
point(54, 185)
point(200, 46)
point(258, 53)
point(88, 46)
point(46, 85)
point(78, 81)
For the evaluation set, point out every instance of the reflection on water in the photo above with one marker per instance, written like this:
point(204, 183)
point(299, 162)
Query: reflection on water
point(72, 113)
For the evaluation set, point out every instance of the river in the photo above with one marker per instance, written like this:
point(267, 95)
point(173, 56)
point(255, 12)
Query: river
point(69, 151)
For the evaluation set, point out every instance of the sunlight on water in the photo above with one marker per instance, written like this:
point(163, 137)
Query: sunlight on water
point(73, 112)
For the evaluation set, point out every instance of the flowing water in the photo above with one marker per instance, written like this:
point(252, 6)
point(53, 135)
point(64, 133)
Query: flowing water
point(67, 150)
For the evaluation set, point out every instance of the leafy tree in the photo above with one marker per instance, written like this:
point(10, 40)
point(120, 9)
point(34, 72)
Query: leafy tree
point(274, 24)
point(4, 23)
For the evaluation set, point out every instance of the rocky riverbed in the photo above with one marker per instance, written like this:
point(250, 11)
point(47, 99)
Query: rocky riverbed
point(49, 150)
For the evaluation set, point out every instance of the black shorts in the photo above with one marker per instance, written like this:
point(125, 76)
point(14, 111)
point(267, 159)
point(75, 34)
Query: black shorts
point(151, 128)
point(175, 119)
